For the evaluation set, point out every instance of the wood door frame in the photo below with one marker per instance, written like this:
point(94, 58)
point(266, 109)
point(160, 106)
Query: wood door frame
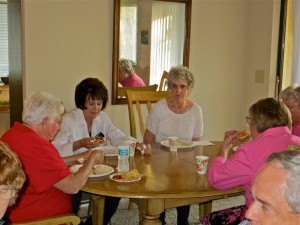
point(15, 60)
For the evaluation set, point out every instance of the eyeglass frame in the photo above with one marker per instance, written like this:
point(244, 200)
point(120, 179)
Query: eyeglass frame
point(7, 193)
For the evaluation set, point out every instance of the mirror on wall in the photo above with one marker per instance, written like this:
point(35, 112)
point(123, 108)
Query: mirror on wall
point(152, 36)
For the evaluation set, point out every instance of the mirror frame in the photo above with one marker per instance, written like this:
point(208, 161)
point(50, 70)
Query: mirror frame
point(116, 32)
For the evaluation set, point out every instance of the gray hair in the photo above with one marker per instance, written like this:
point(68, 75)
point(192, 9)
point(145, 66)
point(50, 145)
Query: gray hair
point(291, 93)
point(290, 160)
point(40, 105)
point(181, 73)
point(126, 65)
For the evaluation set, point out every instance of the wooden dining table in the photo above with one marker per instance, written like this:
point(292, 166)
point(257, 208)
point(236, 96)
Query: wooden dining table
point(169, 179)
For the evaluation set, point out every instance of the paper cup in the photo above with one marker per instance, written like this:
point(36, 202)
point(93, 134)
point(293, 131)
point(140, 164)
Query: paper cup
point(132, 145)
point(173, 143)
point(202, 162)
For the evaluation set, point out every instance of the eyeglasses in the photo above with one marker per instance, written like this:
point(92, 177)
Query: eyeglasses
point(182, 87)
point(248, 119)
point(291, 107)
point(7, 193)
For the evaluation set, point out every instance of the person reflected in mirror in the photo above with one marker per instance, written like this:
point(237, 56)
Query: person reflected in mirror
point(81, 125)
point(290, 96)
point(50, 182)
point(270, 122)
point(276, 191)
point(127, 76)
point(176, 116)
point(12, 178)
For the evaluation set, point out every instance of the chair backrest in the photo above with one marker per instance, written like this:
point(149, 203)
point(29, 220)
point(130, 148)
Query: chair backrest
point(163, 81)
point(142, 98)
point(69, 219)
point(122, 90)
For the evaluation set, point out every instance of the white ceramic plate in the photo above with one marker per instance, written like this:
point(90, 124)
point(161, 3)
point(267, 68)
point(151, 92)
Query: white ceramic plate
point(183, 143)
point(109, 150)
point(123, 181)
point(103, 171)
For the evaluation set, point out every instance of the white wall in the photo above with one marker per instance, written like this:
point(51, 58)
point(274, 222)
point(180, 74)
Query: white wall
point(68, 40)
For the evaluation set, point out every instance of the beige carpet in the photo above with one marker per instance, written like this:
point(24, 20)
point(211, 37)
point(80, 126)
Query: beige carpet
point(125, 216)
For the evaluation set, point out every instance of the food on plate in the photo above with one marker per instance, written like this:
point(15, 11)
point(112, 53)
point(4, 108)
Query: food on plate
point(100, 169)
point(132, 175)
point(98, 139)
point(243, 134)
point(183, 143)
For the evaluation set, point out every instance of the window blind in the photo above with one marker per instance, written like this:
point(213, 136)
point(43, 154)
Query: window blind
point(3, 40)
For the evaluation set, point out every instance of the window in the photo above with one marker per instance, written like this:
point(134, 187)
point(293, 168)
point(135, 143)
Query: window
point(128, 40)
point(3, 39)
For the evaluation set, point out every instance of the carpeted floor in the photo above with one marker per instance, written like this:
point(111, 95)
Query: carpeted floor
point(125, 216)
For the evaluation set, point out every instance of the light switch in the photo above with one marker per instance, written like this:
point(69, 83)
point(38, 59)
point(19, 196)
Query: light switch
point(259, 76)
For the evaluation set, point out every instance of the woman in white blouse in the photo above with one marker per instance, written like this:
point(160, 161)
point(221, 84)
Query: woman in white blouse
point(176, 116)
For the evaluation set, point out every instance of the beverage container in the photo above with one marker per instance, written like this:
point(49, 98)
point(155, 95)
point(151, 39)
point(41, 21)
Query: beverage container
point(123, 155)
point(202, 162)
point(173, 143)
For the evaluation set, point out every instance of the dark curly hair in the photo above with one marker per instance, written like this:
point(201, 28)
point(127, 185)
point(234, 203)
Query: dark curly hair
point(93, 88)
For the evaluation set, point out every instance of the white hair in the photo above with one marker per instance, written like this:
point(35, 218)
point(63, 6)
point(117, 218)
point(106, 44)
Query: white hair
point(41, 105)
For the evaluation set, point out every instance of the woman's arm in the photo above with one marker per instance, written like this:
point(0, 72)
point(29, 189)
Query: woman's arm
point(149, 138)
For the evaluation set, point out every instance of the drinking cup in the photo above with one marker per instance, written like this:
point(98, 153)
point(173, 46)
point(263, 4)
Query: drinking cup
point(202, 162)
point(132, 146)
point(173, 143)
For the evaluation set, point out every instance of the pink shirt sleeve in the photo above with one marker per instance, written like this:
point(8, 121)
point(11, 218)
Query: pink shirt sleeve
point(235, 171)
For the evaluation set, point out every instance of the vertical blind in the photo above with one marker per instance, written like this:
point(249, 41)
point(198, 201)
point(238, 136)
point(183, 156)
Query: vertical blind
point(167, 37)
point(3, 40)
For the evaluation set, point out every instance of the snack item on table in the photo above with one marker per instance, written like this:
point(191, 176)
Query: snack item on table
point(243, 134)
point(97, 139)
point(131, 175)
point(100, 169)
point(182, 143)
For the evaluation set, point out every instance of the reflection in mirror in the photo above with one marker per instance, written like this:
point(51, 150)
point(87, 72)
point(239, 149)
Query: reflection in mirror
point(153, 35)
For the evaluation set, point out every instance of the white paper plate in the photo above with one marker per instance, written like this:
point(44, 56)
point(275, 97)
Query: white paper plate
point(109, 150)
point(105, 170)
point(123, 181)
point(184, 144)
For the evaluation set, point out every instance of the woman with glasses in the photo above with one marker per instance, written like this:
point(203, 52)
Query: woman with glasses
point(270, 123)
point(12, 178)
point(176, 116)
point(291, 98)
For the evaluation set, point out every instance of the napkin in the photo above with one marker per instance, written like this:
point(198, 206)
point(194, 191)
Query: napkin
point(202, 143)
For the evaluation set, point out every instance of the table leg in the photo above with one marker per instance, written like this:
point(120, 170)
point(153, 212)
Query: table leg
point(205, 208)
point(150, 210)
point(98, 209)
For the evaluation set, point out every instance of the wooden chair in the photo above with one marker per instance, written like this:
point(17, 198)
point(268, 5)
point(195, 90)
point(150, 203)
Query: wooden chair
point(138, 98)
point(122, 90)
point(69, 219)
point(163, 85)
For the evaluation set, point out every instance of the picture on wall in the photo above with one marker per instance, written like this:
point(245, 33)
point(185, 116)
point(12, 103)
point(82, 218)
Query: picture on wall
point(144, 37)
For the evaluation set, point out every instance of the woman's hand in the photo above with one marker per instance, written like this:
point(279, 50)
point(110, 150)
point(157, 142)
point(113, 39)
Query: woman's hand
point(230, 137)
point(88, 143)
point(144, 148)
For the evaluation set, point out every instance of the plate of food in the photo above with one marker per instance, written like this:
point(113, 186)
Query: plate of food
point(109, 150)
point(180, 143)
point(126, 177)
point(97, 171)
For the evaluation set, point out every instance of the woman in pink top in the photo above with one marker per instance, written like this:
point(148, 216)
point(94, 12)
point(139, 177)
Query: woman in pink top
point(127, 77)
point(270, 122)
point(291, 98)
